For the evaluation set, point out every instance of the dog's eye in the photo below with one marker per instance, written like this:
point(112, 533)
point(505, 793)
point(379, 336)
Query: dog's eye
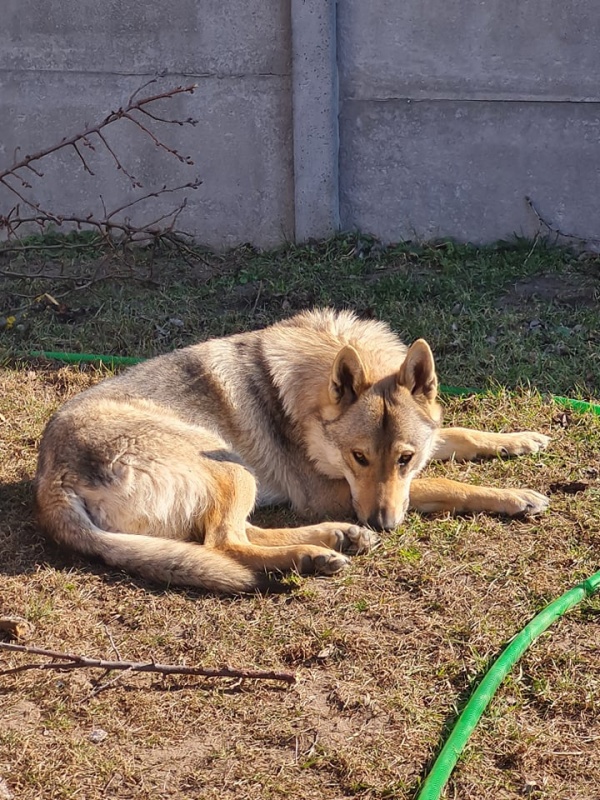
point(404, 459)
point(360, 458)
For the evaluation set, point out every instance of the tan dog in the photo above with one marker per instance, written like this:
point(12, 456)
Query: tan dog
point(157, 470)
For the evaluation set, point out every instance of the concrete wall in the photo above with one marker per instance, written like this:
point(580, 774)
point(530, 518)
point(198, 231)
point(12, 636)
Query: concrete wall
point(449, 112)
point(452, 111)
point(66, 64)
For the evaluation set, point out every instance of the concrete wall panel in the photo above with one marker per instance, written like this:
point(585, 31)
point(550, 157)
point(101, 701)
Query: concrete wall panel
point(315, 104)
point(241, 147)
point(476, 49)
point(462, 169)
point(193, 37)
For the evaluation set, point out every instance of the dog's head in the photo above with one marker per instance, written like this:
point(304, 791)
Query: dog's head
point(378, 435)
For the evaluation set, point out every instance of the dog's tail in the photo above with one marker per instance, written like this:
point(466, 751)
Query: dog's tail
point(164, 561)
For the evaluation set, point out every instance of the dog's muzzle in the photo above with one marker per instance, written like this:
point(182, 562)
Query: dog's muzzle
point(385, 520)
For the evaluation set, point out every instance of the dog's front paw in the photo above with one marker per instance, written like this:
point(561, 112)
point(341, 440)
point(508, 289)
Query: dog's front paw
point(524, 502)
point(519, 444)
point(329, 564)
point(360, 540)
point(355, 539)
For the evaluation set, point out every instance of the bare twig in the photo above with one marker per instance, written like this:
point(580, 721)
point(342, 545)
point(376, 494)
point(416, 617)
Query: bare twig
point(93, 136)
point(163, 190)
point(112, 642)
point(64, 662)
point(133, 105)
point(557, 231)
point(24, 248)
point(101, 687)
point(105, 225)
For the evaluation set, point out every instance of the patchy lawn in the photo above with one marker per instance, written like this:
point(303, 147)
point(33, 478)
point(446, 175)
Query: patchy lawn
point(384, 655)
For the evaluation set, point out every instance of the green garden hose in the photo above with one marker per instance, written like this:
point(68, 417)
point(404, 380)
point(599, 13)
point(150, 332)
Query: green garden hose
point(576, 405)
point(116, 361)
point(79, 358)
point(433, 785)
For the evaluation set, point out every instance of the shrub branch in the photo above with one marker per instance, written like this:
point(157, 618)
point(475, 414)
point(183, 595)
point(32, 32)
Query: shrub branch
point(136, 112)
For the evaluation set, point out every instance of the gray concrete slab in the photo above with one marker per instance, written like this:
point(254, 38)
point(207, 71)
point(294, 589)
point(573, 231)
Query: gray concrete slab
point(143, 37)
point(241, 146)
point(462, 169)
point(315, 105)
point(476, 49)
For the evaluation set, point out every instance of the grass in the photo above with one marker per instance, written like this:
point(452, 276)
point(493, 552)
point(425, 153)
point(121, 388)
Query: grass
point(386, 653)
point(525, 313)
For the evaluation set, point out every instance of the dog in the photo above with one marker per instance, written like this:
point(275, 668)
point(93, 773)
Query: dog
point(156, 470)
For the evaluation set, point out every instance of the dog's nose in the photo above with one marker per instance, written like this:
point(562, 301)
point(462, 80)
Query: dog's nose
point(384, 520)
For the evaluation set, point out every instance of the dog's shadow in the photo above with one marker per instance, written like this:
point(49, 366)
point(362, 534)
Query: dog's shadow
point(23, 547)
point(21, 544)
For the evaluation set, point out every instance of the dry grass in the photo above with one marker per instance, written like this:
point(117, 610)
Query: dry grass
point(385, 655)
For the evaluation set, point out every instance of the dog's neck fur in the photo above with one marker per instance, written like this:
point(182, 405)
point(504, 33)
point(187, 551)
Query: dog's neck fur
point(302, 361)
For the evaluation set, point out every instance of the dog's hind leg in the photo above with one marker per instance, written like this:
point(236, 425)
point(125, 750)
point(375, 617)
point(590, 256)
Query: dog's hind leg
point(440, 494)
point(465, 444)
point(224, 522)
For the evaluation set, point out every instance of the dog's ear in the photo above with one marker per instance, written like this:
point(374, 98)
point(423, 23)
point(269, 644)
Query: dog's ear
point(417, 373)
point(348, 377)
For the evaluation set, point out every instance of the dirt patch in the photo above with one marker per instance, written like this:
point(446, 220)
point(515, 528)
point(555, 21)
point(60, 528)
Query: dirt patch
point(20, 716)
point(564, 289)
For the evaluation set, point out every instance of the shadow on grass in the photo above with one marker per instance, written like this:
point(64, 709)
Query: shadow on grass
point(21, 543)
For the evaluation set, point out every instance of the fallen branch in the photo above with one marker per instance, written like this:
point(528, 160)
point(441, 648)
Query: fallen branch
point(64, 662)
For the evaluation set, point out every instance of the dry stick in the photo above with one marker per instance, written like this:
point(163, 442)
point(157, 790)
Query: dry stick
point(68, 661)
